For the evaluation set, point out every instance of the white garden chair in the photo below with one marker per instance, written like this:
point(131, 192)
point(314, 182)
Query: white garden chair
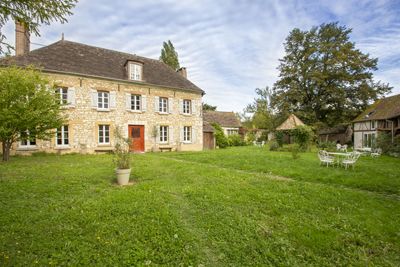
point(338, 147)
point(343, 148)
point(324, 158)
point(351, 160)
point(376, 153)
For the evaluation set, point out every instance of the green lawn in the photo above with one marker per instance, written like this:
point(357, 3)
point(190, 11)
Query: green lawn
point(213, 208)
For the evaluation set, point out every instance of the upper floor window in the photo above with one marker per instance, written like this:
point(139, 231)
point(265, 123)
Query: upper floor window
point(163, 134)
point(136, 102)
point(103, 100)
point(62, 136)
point(62, 93)
point(163, 105)
point(135, 71)
point(187, 105)
point(27, 139)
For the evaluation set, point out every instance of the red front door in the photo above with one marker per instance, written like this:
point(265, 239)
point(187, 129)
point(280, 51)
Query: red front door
point(136, 133)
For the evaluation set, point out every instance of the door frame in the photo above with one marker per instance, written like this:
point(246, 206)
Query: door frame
point(144, 139)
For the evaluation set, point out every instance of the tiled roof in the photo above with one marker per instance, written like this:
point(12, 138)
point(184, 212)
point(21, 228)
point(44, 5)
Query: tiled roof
point(224, 119)
point(77, 58)
point(385, 108)
point(290, 123)
point(207, 128)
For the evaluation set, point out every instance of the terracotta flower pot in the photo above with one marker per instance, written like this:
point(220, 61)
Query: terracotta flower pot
point(123, 176)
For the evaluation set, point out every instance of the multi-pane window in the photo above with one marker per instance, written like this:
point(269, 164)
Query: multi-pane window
point(104, 134)
point(187, 106)
point(163, 105)
point(27, 139)
point(232, 131)
point(163, 134)
point(369, 140)
point(135, 102)
point(62, 93)
point(103, 99)
point(135, 72)
point(187, 134)
point(62, 136)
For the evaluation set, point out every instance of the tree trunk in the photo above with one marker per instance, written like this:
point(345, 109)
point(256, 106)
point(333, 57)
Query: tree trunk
point(6, 150)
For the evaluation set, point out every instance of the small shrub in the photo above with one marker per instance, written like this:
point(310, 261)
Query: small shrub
point(250, 137)
point(220, 138)
point(328, 145)
point(273, 146)
point(235, 140)
point(295, 149)
point(303, 136)
point(122, 158)
point(279, 137)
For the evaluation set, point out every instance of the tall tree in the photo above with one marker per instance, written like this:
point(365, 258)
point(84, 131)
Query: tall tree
point(324, 78)
point(32, 13)
point(169, 56)
point(263, 114)
point(209, 107)
point(27, 107)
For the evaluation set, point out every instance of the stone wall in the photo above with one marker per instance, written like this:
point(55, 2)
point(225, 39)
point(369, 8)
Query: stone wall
point(83, 119)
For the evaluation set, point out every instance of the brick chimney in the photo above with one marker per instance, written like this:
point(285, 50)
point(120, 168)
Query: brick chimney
point(182, 71)
point(22, 41)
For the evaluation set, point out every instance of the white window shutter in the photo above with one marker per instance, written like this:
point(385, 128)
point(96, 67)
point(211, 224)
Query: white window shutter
point(156, 104)
point(128, 101)
point(194, 106)
point(157, 134)
point(180, 106)
point(94, 98)
point(181, 133)
point(170, 105)
point(170, 135)
point(193, 135)
point(144, 103)
point(113, 100)
point(71, 96)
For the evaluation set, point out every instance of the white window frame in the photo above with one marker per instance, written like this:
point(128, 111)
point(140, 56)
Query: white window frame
point(135, 71)
point(231, 131)
point(136, 102)
point(164, 134)
point(163, 105)
point(187, 106)
point(63, 95)
point(64, 131)
point(103, 100)
point(103, 134)
point(187, 134)
point(28, 141)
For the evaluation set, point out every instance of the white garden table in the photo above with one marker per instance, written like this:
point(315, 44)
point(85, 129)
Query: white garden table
point(339, 156)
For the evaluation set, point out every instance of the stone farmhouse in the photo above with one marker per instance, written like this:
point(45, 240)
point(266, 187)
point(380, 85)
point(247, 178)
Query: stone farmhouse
point(228, 121)
point(102, 90)
point(382, 116)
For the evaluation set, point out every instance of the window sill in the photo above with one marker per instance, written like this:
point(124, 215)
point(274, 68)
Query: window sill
point(163, 113)
point(104, 145)
point(27, 148)
point(60, 147)
point(135, 111)
point(187, 142)
point(102, 110)
point(67, 107)
point(187, 114)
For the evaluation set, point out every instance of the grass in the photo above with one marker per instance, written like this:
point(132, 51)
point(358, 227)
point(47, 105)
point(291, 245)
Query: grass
point(187, 209)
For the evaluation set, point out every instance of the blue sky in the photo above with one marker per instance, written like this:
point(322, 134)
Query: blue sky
point(229, 47)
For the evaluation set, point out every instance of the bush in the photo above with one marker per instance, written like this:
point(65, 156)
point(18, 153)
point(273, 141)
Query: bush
point(250, 137)
point(295, 149)
point(273, 146)
point(279, 138)
point(235, 140)
point(384, 142)
point(328, 145)
point(303, 135)
point(263, 137)
point(220, 138)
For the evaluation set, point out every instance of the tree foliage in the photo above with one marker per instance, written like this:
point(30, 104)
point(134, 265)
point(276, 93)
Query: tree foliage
point(32, 14)
point(324, 78)
point(220, 138)
point(169, 56)
point(209, 107)
point(26, 104)
point(303, 136)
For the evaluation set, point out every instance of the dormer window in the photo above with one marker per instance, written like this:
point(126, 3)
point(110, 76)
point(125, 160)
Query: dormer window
point(135, 71)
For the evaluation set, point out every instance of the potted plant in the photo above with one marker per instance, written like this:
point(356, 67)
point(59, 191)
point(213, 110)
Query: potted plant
point(122, 158)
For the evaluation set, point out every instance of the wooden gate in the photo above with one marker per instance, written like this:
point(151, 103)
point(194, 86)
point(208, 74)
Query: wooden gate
point(208, 140)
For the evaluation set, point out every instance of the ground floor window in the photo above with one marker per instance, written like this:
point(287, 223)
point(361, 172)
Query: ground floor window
point(232, 131)
point(62, 136)
point(104, 134)
point(187, 134)
point(27, 139)
point(369, 139)
point(163, 134)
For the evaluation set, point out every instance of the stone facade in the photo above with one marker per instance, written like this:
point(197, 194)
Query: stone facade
point(83, 118)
